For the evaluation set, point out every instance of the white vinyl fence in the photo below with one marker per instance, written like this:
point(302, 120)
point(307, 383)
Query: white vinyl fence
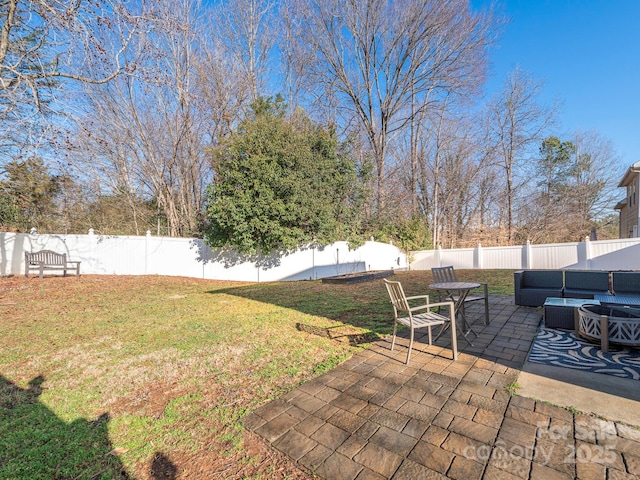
point(130, 255)
point(622, 254)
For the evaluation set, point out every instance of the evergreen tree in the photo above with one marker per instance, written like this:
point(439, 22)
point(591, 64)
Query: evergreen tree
point(280, 183)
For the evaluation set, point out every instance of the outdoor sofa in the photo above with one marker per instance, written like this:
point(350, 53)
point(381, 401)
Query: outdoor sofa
point(610, 319)
point(533, 287)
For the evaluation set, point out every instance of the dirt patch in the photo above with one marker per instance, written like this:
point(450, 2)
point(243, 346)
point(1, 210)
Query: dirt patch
point(148, 401)
point(219, 459)
point(346, 333)
point(257, 460)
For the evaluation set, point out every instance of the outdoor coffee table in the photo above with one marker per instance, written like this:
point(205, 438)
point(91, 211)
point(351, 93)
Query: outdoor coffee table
point(560, 312)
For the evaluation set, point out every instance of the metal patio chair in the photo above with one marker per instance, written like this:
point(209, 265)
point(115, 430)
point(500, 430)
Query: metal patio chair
point(419, 316)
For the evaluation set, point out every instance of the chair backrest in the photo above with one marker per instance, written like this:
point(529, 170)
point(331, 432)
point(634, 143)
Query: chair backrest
point(396, 293)
point(444, 274)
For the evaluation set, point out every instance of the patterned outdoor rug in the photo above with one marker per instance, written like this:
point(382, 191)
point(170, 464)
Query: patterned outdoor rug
point(564, 349)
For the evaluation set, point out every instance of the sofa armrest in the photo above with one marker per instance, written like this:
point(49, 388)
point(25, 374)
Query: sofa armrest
point(517, 284)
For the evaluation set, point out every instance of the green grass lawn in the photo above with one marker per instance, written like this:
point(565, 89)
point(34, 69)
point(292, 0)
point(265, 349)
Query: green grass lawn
point(108, 377)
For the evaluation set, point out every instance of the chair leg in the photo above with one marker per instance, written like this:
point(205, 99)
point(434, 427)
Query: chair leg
point(486, 311)
point(441, 298)
point(395, 327)
point(486, 305)
point(430, 339)
point(410, 345)
point(443, 328)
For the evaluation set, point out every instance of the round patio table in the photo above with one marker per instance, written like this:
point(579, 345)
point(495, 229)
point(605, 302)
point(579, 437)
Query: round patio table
point(457, 292)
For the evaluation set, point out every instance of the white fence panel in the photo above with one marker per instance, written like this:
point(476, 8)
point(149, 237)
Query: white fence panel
point(424, 260)
point(11, 252)
point(113, 255)
point(623, 254)
point(303, 265)
point(227, 267)
point(555, 256)
point(461, 257)
point(502, 257)
point(128, 255)
point(171, 256)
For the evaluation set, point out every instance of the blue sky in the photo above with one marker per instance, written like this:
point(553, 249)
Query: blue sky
point(587, 53)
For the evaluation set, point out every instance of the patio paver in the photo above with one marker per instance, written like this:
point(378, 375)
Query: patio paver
point(375, 417)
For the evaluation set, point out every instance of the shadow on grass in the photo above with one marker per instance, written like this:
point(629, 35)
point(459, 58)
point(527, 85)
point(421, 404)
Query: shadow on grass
point(162, 468)
point(353, 339)
point(364, 306)
point(35, 443)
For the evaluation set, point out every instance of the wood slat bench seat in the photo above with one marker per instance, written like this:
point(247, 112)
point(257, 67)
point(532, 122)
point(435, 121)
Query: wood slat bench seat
point(48, 260)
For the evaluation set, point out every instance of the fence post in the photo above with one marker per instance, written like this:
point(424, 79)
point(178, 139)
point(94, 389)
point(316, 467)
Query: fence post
point(93, 247)
point(146, 251)
point(584, 254)
point(439, 256)
point(528, 256)
point(477, 260)
point(587, 244)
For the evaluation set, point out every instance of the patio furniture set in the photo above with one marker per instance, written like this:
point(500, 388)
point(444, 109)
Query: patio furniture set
point(598, 305)
point(452, 296)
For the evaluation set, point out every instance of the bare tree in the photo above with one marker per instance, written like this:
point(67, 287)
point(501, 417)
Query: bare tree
point(219, 88)
point(517, 123)
point(147, 134)
point(49, 48)
point(43, 42)
point(375, 57)
point(453, 173)
point(576, 191)
point(594, 178)
point(248, 29)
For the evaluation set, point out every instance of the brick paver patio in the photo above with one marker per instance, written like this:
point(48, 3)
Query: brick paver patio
point(373, 417)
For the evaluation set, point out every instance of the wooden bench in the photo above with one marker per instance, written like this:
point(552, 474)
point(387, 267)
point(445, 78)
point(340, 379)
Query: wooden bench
point(48, 260)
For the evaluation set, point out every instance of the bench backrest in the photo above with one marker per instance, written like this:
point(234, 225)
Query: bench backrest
point(47, 257)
